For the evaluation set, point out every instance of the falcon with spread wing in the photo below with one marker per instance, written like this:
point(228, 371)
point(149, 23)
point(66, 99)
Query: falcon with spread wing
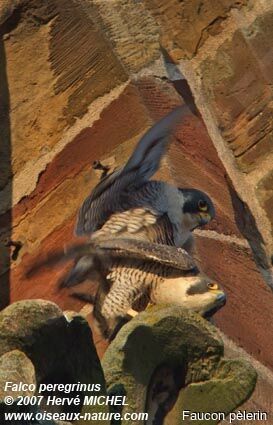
point(127, 204)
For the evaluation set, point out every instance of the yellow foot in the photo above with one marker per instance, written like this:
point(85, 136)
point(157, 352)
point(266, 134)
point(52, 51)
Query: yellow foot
point(86, 310)
point(132, 312)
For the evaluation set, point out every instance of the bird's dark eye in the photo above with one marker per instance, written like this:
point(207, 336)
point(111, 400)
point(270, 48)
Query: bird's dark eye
point(213, 286)
point(202, 205)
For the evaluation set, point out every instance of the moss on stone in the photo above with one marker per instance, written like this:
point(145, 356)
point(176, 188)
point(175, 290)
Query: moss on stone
point(232, 384)
point(161, 335)
point(184, 341)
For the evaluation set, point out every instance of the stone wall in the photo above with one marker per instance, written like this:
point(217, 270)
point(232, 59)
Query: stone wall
point(83, 80)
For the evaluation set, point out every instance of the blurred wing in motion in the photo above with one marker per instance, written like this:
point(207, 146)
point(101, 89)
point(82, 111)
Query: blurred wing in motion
point(92, 255)
point(176, 258)
point(77, 252)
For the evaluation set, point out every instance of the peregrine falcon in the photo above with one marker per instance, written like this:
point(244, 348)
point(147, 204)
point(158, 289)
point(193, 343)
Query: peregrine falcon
point(126, 203)
point(126, 269)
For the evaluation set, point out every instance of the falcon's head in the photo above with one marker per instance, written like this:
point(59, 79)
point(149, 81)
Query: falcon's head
point(204, 295)
point(197, 293)
point(197, 207)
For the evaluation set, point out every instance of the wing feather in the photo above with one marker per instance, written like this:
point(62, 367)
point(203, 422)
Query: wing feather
point(143, 163)
point(115, 248)
point(132, 222)
point(170, 256)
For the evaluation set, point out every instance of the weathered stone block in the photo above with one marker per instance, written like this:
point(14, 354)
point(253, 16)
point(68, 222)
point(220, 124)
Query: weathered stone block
point(55, 348)
point(15, 367)
point(167, 353)
point(132, 31)
point(16, 370)
point(231, 384)
point(237, 84)
point(51, 341)
point(185, 25)
point(249, 300)
point(264, 192)
point(73, 66)
point(262, 397)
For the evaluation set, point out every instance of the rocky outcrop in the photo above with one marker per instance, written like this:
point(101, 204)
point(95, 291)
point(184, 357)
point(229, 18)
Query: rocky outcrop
point(261, 399)
point(170, 360)
point(103, 72)
point(40, 345)
point(15, 367)
point(164, 360)
point(229, 385)
point(46, 346)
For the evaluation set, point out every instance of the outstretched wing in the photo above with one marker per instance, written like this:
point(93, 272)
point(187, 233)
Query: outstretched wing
point(90, 256)
point(144, 162)
point(170, 256)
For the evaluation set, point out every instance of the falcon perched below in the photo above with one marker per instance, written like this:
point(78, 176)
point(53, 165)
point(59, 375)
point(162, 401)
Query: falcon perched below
point(126, 269)
point(126, 204)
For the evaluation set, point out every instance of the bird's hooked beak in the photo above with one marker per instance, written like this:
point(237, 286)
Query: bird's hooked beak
point(204, 218)
point(221, 300)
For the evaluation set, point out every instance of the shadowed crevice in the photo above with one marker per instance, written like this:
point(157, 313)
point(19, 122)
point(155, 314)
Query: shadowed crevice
point(247, 225)
point(179, 82)
point(5, 177)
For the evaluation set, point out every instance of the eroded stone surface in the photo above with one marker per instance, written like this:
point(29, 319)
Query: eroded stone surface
point(135, 40)
point(40, 330)
point(232, 89)
point(172, 338)
point(15, 367)
point(262, 397)
point(73, 66)
point(265, 195)
point(232, 383)
point(249, 301)
point(186, 25)
point(54, 348)
point(238, 81)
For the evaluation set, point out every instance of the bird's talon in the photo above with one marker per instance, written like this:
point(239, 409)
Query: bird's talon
point(132, 312)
